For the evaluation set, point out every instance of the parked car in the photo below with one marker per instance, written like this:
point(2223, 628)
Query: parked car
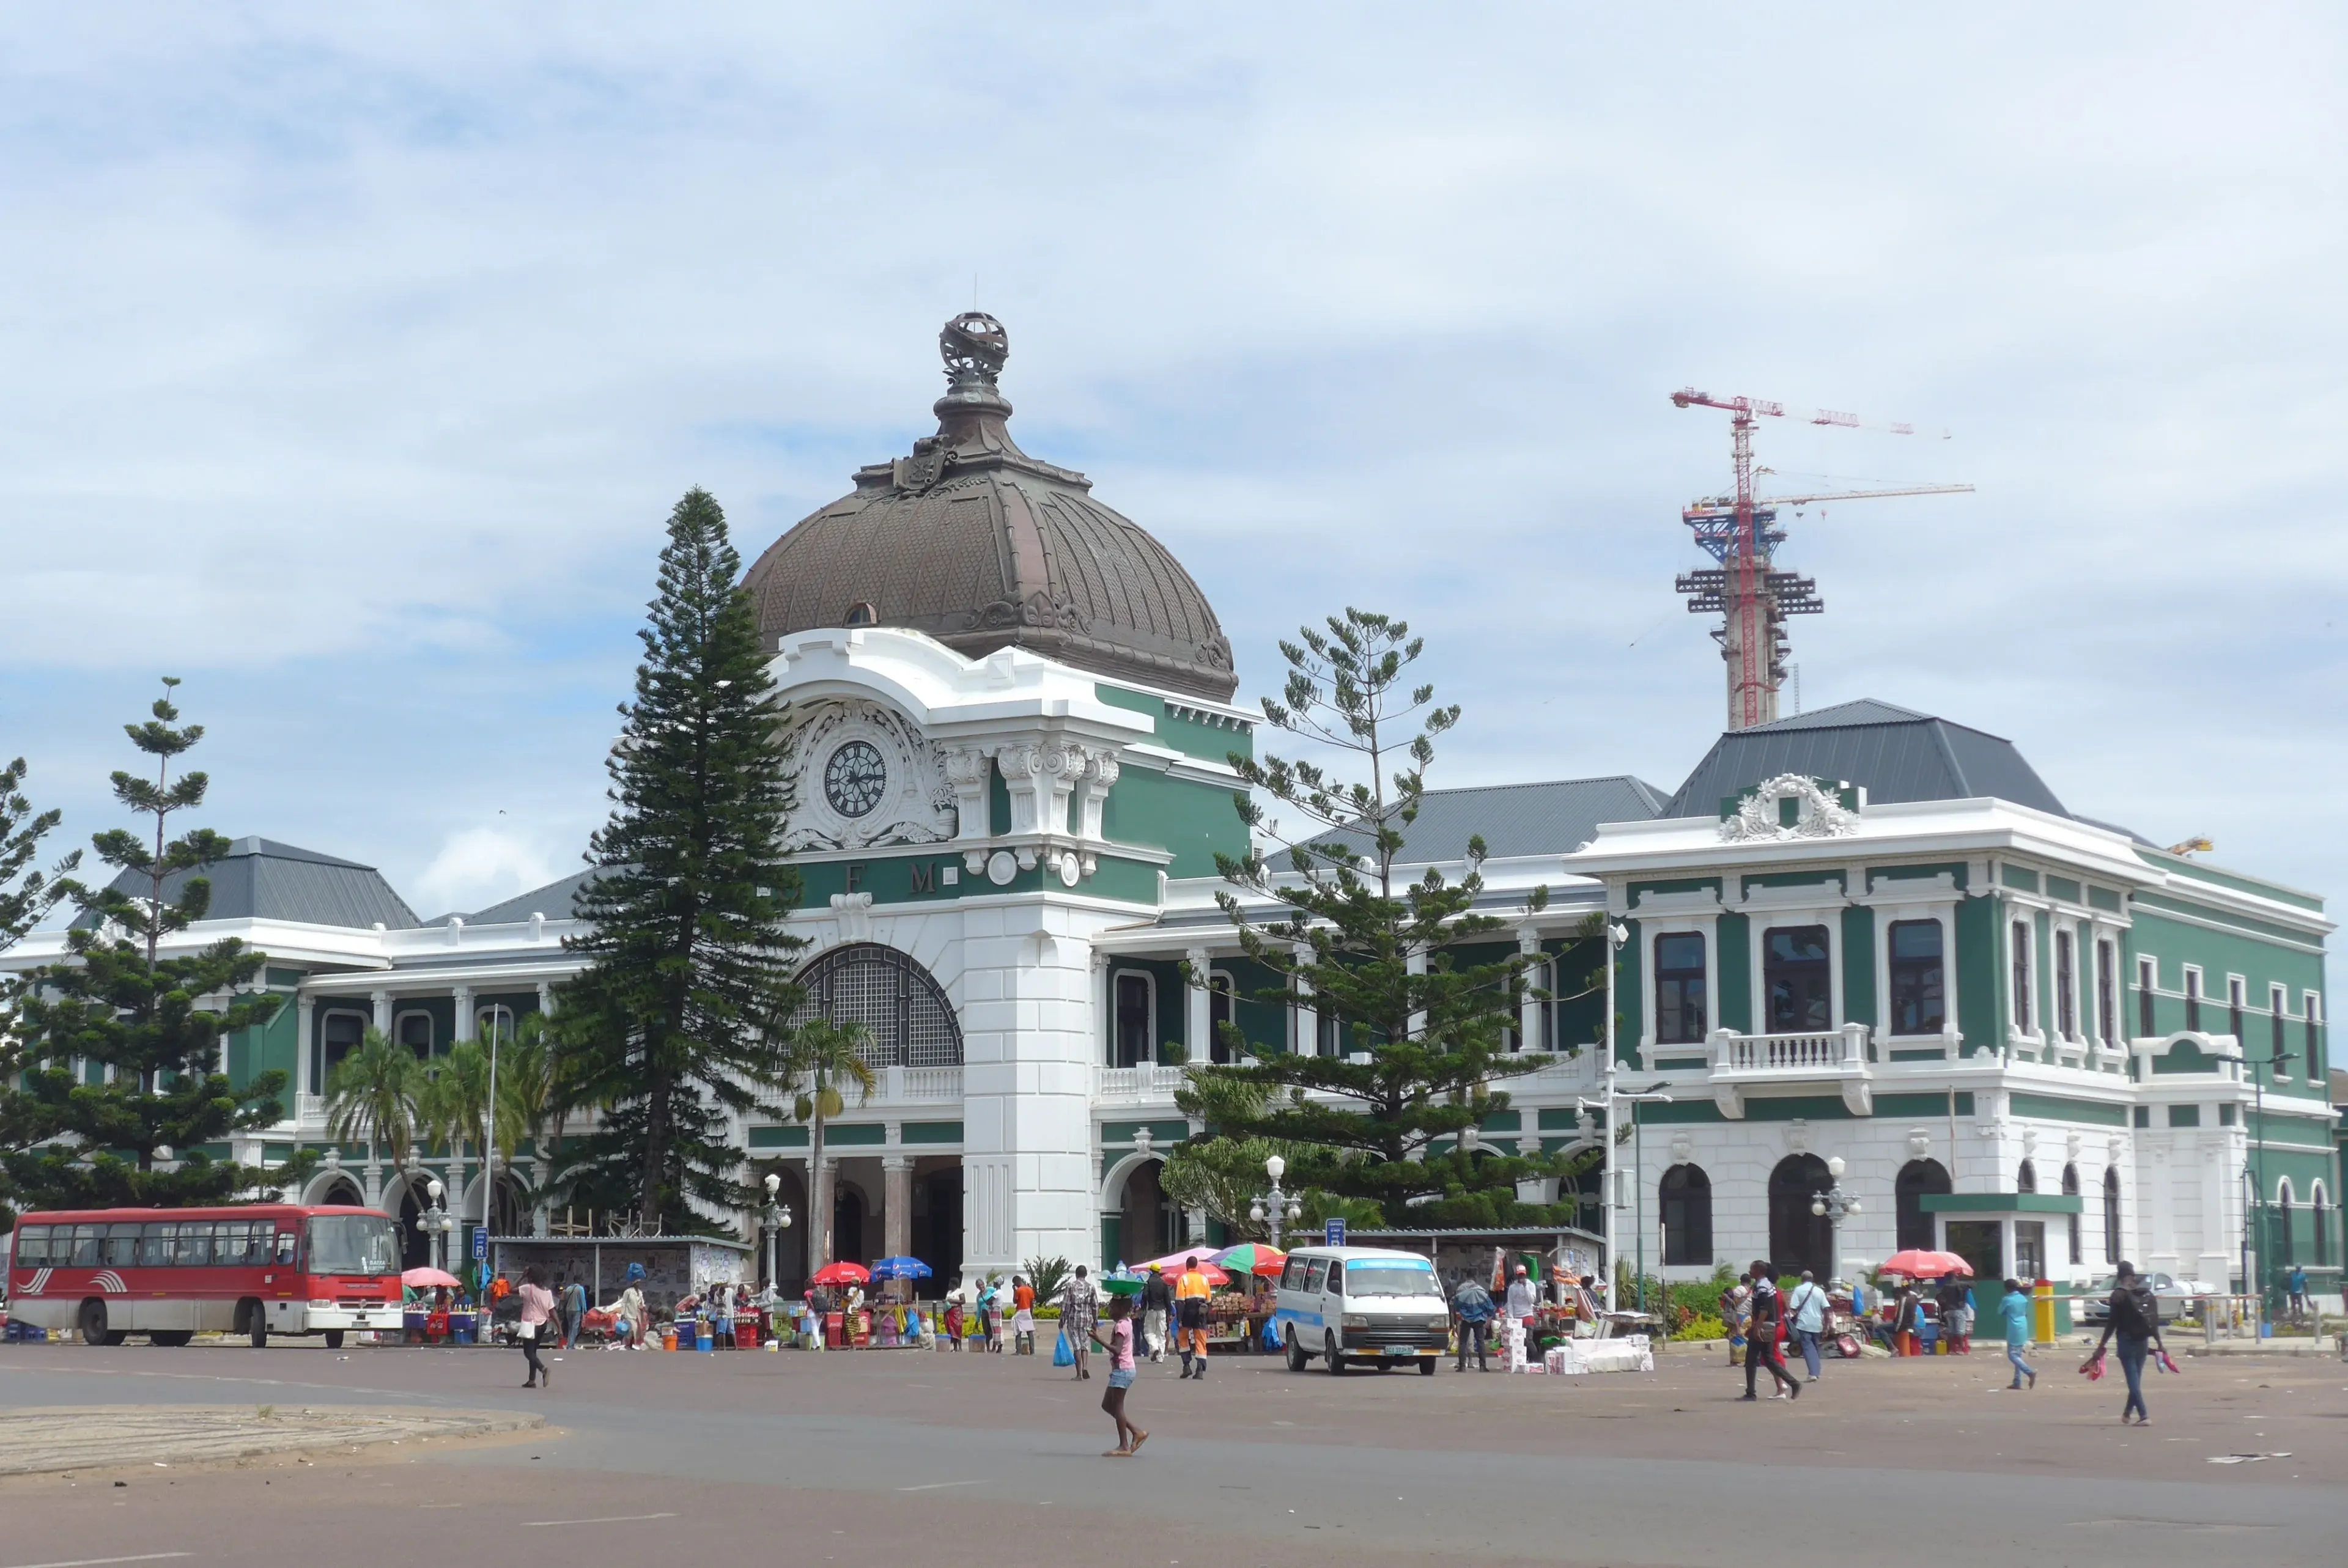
point(2175, 1297)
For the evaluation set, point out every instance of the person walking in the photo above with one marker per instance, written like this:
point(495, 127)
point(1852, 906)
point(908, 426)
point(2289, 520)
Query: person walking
point(1079, 1310)
point(537, 1312)
point(1805, 1308)
point(1761, 1339)
point(574, 1312)
point(2015, 1311)
point(1120, 1349)
point(1023, 1319)
point(2298, 1294)
point(1522, 1312)
point(1191, 1292)
point(1472, 1303)
point(2132, 1317)
point(1156, 1308)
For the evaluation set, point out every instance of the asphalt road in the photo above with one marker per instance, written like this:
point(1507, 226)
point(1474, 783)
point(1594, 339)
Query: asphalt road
point(796, 1458)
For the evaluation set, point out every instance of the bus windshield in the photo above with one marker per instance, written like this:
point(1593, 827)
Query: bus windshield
point(352, 1243)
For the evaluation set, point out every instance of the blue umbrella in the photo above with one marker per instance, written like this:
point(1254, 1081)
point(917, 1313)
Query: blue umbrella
point(900, 1268)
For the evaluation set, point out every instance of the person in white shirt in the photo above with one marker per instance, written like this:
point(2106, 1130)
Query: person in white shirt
point(1806, 1307)
point(1523, 1307)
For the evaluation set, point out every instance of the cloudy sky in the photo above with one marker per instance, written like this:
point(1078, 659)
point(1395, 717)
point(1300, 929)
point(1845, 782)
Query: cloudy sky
point(350, 358)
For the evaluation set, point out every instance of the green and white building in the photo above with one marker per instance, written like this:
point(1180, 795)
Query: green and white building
point(1862, 933)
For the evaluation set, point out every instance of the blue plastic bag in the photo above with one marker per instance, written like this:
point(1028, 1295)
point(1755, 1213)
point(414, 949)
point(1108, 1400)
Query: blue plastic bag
point(1063, 1354)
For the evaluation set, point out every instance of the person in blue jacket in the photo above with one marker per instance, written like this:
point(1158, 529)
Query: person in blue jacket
point(1473, 1306)
point(2016, 1310)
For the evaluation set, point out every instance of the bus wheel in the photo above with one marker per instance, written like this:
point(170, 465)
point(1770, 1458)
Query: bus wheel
point(91, 1321)
point(334, 1339)
point(1295, 1351)
point(170, 1338)
point(251, 1320)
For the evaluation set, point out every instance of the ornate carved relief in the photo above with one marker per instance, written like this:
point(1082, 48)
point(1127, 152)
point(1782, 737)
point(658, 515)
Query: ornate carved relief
point(1817, 815)
point(861, 775)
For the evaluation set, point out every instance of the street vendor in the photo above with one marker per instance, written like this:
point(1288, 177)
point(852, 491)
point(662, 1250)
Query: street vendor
point(629, 1309)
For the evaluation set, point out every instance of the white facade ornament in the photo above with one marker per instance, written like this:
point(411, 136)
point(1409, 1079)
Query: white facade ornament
point(1919, 1142)
point(915, 799)
point(1683, 1147)
point(854, 913)
point(1797, 1136)
point(1817, 814)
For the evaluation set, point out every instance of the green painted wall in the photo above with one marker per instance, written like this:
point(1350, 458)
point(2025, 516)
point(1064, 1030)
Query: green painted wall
point(1981, 1008)
point(1214, 740)
point(1630, 995)
point(1191, 820)
point(1860, 1002)
point(1735, 960)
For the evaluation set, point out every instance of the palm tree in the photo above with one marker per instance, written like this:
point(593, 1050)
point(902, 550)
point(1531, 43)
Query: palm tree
point(825, 1057)
point(454, 1106)
point(372, 1097)
point(534, 1101)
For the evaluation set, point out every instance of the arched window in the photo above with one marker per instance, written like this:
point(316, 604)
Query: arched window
point(2111, 1248)
point(494, 1022)
point(2323, 1222)
point(2283, 1248)
point(1685, 1197)
point(1799, 1239)
point(1913, 1227)
point(2074, 1222)
point(910, 1020)
point(2025, 1177)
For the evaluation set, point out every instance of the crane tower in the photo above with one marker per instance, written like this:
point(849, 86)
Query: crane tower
point(1740, 531)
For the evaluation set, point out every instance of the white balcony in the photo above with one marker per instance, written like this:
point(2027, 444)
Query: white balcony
point(918, 1086)
point(1151, 1085)
point(1835, 1058)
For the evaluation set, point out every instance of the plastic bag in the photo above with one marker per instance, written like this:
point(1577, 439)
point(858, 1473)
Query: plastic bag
point(2095, 1366)
point(1062, 1355)
point(2160, 1359)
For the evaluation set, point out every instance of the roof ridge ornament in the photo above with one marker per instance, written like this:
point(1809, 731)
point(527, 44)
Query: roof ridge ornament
point(971, 414)
point(1791, 806)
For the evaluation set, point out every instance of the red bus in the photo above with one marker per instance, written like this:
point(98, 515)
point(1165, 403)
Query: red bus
point(255, 1270)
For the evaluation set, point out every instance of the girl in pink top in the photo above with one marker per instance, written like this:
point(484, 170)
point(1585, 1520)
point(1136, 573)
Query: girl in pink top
point(1120, 1346)
point(537, 1311)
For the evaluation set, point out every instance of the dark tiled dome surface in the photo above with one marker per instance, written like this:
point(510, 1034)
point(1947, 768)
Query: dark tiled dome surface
point(982, 546)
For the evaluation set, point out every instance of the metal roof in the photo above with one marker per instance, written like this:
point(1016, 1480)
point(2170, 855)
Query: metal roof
point(1895, 753)
point(554, 901)
point(1557, 817)
point(261, 879)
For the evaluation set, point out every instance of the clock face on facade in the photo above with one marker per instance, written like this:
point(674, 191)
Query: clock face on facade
point(855, 778)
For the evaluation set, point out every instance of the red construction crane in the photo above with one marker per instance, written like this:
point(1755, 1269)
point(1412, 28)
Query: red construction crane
point(1751, 600)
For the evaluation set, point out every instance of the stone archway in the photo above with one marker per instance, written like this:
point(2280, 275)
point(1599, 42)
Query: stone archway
point(1148, 1222)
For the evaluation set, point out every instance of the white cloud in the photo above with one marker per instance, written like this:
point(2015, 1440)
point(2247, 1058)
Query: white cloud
point(480, 867)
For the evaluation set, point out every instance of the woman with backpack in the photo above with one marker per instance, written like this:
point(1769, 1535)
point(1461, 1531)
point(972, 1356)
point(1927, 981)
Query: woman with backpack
point(2133, 1317)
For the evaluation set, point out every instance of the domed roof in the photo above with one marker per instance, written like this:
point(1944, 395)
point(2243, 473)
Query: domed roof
point(982, 546)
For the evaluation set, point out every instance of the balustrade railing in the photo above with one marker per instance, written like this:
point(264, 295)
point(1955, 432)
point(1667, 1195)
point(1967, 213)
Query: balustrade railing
point(1822, 1051)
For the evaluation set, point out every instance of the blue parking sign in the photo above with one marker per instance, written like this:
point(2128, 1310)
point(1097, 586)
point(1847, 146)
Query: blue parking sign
point(481, 1245)
point(1336, 1233)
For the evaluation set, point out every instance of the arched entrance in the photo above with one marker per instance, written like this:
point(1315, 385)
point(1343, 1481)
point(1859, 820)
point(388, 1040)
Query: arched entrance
point(937, 1226)
point(1916, 1179)
point(848, 1224)
point(902, 1009)
point(404, 1202)
point(1148, 1223)
point(1799, 1239)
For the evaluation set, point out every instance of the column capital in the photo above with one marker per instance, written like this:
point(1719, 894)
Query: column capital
point(894, 1163)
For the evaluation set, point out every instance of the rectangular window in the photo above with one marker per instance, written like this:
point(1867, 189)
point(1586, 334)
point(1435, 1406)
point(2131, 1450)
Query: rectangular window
point(2107, 978)
point(156, 1244)
point(2148, 972)
point(1797, 975)
point(2226, 1114)
point(32, 1246)
point(2192, 998)
point(2066, 992)
point(1679, 989)
point(1135, 1006)
point(2315, 1004)
point(1918, 992)
point(1326, 1033)
point(2279, 1008)
point(415, 1030)
point(2234, 1007)
point(2024, 1015)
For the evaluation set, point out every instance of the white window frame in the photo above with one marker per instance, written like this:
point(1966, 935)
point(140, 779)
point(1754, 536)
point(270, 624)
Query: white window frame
point(431, 1027)
point(1676, 913)
point(1116, 974)
point(1896, 899)
point(1767, 909)
point(1227, 984)
point(2026, 916)
point(2278, 1013)
point(2193, 989)
point(325, 1067)
point(490, 1012)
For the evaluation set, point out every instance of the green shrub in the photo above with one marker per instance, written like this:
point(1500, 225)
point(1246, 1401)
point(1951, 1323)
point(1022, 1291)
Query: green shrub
point(1702, 1328)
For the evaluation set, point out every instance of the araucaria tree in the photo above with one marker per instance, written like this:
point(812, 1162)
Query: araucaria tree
point(1420, 1019)
point(125, 1085)
point(27, 894)
point(678, 1022)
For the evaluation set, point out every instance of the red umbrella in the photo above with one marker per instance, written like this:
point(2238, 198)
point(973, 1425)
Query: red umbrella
point(842, 1273)
point(1918, 1264)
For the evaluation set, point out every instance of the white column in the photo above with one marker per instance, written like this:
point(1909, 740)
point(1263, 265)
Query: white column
point(381, 1000)
point(1528, 1011)
point(306, 1030)
point(545, 998)
point(1104, 1019)
point(1201, 1020)
point(825, 1185)
point(897, 1201)
point(464, 999)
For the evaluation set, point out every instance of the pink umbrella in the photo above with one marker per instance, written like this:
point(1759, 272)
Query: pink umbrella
point(1917, 1262)
point(1174, 1265)
point(426, 1278)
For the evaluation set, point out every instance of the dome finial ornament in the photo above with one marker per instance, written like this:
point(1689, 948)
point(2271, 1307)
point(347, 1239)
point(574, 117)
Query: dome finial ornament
point(975, 346)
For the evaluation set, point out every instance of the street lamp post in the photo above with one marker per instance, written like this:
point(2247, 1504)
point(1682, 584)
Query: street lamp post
point(1834, 1205)
point(1271, 1206)
point(777, 1220)
point(435, 1224)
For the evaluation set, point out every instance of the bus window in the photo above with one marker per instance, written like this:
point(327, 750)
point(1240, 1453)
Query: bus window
point(286, 1241)
point(121, 1247)
point(196, 1245)
point(156, 1240)
point(86, 1242)
point(230, 1239)
point(32, 1246)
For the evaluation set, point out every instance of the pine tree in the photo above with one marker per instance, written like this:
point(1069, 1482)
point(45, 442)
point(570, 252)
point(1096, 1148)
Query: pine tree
point(27, 894)
point(1389, 1118)
point(678, 1023)
point(127, 1081)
